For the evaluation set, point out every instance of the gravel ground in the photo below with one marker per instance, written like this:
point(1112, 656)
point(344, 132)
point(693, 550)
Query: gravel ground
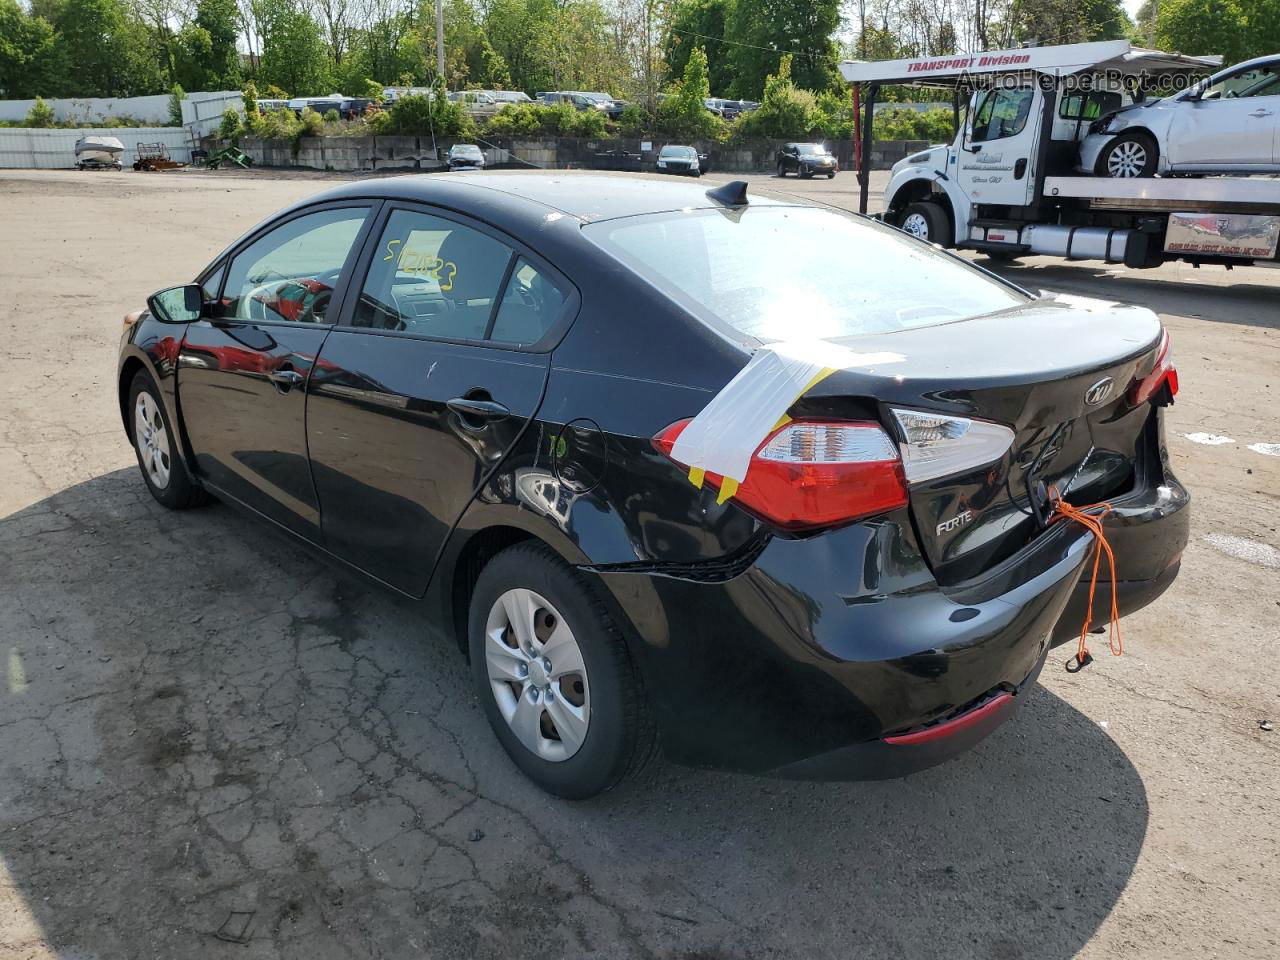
point(207, 736)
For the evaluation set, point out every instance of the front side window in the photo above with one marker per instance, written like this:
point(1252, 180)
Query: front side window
point(432, 276)
point(778, 273)
point(289, 273)
point(1258, 82)
point(1001, 114)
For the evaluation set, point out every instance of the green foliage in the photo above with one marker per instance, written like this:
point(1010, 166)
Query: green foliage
point(282, 124)
point(176, 96)
point(759, 29)
point(424, 115)
point(786, 112)
point(331, 116)
point(896, 123)
point(40, 114)
point(293, 51)
point(1205, 26)
point(692, 23)
point(103, 51)
point(537, 119)
point(231, 127)
point(310, 123)
point(684, 115)
point(28, 55)
point(369, 88)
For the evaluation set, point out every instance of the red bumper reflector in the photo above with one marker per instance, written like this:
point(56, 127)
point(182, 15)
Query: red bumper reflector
point(960, 723)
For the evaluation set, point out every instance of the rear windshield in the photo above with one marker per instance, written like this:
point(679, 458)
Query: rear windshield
point(783, 273)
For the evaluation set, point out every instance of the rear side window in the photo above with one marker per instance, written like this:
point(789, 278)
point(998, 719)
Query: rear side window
point(778, 273)
point(288, 274)
point(530, 306)
point(434, 277)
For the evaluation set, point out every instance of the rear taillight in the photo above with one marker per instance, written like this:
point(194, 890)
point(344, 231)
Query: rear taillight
point(813, 473)
point(1163, 373)
point(936, 445)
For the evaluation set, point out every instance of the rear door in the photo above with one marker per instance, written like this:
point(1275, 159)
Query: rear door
point(243, 371)
point(433, 373)
point(1233, 124)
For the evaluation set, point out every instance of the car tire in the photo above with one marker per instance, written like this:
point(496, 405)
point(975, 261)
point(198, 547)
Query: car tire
point(1129, 155)
point(928, 221)
point(594, 690)
point(155, 444)
point(782, 169)
point(831, 175)
point(806, 174)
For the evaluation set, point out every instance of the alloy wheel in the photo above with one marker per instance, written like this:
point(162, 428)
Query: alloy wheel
point(152, 440)
point(1127, 159)
point(917, 226)
point(537, 674)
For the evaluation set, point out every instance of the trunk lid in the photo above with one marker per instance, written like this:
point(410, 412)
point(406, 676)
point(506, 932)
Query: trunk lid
point(1055, 372)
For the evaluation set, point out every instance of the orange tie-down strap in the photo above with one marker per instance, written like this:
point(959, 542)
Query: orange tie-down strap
point(1090, 517)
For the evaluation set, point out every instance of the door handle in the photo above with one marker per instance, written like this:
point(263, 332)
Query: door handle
point(1260, 113)
point(475, 408)
point(285, 378)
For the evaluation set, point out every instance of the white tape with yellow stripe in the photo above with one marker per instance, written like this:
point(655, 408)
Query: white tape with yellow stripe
point(722, 438)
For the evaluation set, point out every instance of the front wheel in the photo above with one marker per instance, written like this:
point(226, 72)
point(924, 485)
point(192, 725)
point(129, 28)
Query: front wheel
point(554, 676)
point(1127, 156)
point(831, 175)
point(782, 169)
point(928, 221)
point(155, 443)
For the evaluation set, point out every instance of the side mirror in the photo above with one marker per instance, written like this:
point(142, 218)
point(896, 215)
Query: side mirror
point(177, 304)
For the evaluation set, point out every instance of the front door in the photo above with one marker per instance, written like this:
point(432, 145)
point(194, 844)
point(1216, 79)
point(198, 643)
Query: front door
point(243, 372)
point(997, 161)
point(422, 389)
point(1232, 125)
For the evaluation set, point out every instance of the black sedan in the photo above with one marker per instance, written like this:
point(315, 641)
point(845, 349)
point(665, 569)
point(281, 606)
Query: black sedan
point(674, 158)
point(764, 482)
point(806, 159)
point(465, 156)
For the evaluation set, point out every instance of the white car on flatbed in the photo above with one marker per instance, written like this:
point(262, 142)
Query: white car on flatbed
point(1229, 123)
point(1006, 184)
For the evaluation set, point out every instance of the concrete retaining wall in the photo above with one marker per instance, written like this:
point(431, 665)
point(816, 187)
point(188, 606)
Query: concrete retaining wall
point(426, 153)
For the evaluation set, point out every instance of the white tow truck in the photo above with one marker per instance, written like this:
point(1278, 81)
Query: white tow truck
point(1007, 185)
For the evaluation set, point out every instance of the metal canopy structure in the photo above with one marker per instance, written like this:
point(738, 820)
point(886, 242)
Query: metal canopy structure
point(1051, 65)
point(1106, 56)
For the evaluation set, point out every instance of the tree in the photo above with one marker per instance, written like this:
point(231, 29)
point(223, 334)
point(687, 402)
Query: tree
point(104, 52)
point(293, 52)
point(1204, 26)
point(763, 31)
point(28, 64)
point(684, 113)
point(219, 19)
point(700, 23)
point(785, 111)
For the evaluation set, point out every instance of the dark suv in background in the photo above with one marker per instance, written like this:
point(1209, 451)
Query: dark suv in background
point(806, 159)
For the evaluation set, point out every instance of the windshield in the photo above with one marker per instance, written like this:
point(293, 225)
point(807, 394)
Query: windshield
point(676, 152)
point(782, 273)
point(465, 150)
point(811, 149)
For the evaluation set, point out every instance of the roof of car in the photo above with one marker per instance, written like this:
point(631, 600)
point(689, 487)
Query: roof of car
point(585, 196)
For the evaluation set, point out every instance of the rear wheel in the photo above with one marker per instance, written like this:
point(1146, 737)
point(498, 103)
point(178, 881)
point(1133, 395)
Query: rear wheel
point(927, 220)
point(554, 675)
point(156, 446)
point(1129, 155)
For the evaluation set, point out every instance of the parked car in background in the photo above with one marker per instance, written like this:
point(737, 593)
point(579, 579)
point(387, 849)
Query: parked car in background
point(1229, 123)
point(727, 109)
point(465, 156)
point(504, 97)
point(805, 160)
point(675, 158)
point(583, 101)
point(609, 104)
point(266, 105)
point(478, 103)
point(519, 398)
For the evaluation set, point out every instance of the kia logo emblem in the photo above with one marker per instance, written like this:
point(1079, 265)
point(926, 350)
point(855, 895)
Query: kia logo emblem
point(1099, 391)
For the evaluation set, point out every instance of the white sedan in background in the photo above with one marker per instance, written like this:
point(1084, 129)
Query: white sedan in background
point(1229, 123)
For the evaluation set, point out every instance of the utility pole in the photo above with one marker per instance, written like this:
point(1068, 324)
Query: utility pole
point(1151, 24)
point(440, 39)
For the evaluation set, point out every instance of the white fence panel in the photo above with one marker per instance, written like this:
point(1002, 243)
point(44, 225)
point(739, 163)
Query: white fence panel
point(202, 112)
point(153, 109)
point(56, 149)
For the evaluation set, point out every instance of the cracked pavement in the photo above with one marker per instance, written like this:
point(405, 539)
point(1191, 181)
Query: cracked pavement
point(212, 744)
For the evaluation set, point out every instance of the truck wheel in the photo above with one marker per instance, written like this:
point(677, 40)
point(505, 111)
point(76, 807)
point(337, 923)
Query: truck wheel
point(1129, 155)
point(927, 220)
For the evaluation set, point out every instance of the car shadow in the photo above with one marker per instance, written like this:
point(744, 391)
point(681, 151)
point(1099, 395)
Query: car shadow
point(212, 739)
point(1245, 303)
